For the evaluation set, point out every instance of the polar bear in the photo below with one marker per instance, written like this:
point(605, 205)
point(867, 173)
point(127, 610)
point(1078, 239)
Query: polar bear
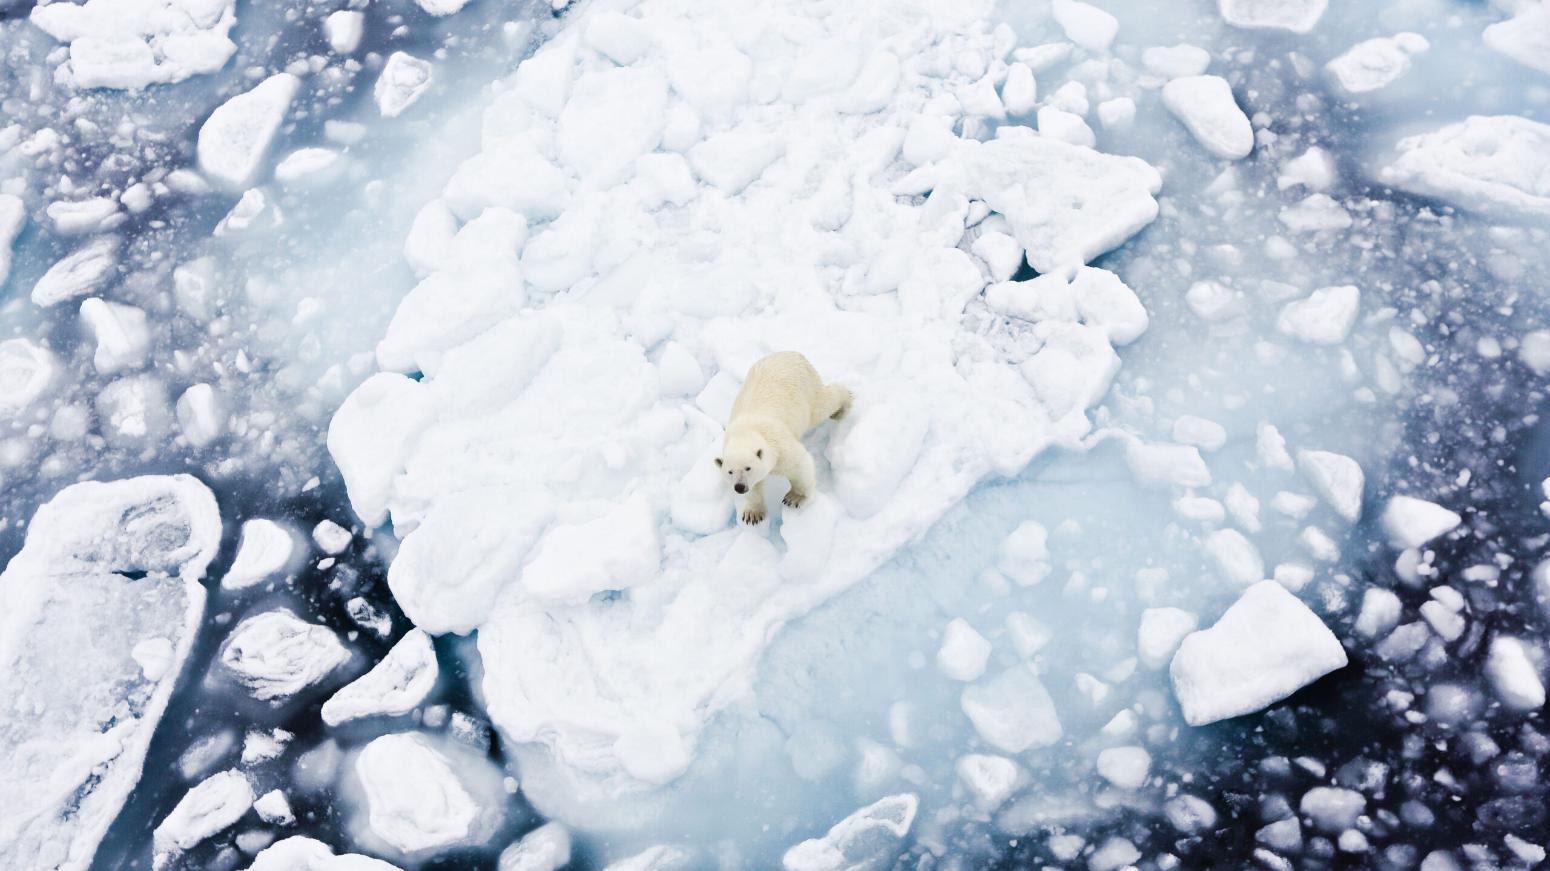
point(781, 400)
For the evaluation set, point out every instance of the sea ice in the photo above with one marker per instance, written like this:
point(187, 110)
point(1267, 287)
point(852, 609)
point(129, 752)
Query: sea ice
point(404, 79)
point(1374, 64)
point(27, 371)
point(1085, 24)
point(1335, 477)
point(1176, 61)
point(331, 538)
point(276, 655)
point(1493, 164)
point(122, 335)
point(79, 273)
point(201, 415)
point(1164, 465)
point(1236, 558)
point(1525, 37)
point(1513, 675)
point(235, 138)
point(1325, 317)
point(82, 217)
point(1013, 711)
point(396, 685)
point(13, 217)
point(1411, 522)
point(1162, 631)
point(990, 779)
point(1265, 647)
point(263, 552)
point(867, 840)
point(306, 854)
point(418, 800)
point(273, 808)
point(1297, 16)
point(76, 633)
point(1331, 809)
point(1207, 108)
point(963, 653)
point(212, 806)
point(546, 848)
point(135, 44)
point(343, 30)
point(1125, 767)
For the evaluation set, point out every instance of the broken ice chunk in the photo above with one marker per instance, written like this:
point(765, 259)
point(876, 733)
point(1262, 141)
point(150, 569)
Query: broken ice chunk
point(419, 800)
point(990, 779)
point(276, 655)
point(404, 80)
point(1513, 675)
point(26, 372)
point(1314, 170)
point(1324, 318)
point(1066, 204)
point(868, 838)
point(1315, 213)
point(1012, 711)
point(396, 685)
point(1337, 478)
point(1379, 613)
point(331, 538)
point(236, 136)
point(306, 854)
point(1374, 64)
point(1332, 809)
point(1236, 558)
point(371, 434)
point(133, 410)
point(1265, 647)
point(1162, 631)
point(1493, 164)
point(343, 30)
point(1164, 465)
point(273, 808)
point(1125, 767)
point(121, 334)
point(1206, 107)
point(1176, 61)
point(200, 415)
point(546, 848)
point(1085, 24)
point(1208, 435)
point(441, 8)
point(1297, 16)
point(1024, 555)
point(210, 807)
point(264, 551)
point(83, 271)
point(963, 653)
point(1411, 522)
point(79, 217)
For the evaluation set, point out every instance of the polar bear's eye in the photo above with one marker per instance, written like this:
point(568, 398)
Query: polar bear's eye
point(748, 468)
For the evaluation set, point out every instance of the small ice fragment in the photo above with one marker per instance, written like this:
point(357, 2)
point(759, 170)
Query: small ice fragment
point(404, 80)
point(1012, 711)
point(1162, 631)
point(1206, 106)
point(1085, 24)
point(133, 410)
point(1176, 61)
point(1164, 465)
point(1315, 213)
point(990, 779)
point(343, 29)
point(868, 838)
point(1020, 91)
point(441, 8)
point(1325, 317)
point(1265, 647)
point(963, 653)
point(1314, 170)
point(1335, 477)
point(1411, 522)
point(1297, 16)
point(1236, 558)
point(1063, 126)
point(1029, 636)
point(79, 217)
point(1513, 675)
point(236, 136)
point(396, 685)
point(305, 854)
point(1024, 554)
point(79, 273)
point(200, 415)
point(213, 805)
point(308, 166)
point(1375, 64)
point(1379, 613)
point(273, 808)
point(1125, 767)
point(1117, 114)
point(264, 551)
point(13, 216)
point(1332, 809)
point(1489, 164)
point(277, 655)
point(331, 538)
point(1189, 814)
point(546, 848)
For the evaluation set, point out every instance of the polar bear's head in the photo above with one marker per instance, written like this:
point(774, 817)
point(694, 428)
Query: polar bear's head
point(746, 459)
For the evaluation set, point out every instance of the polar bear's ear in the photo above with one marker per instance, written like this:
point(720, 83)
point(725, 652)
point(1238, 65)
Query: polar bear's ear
point(718, 462)
point(759, 453)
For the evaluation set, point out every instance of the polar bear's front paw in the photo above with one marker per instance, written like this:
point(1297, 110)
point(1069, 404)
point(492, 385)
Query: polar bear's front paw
point(753, 516)
point(794, 499)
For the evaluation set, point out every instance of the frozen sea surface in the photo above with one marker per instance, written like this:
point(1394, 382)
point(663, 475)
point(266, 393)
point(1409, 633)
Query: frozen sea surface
point(1216, 329)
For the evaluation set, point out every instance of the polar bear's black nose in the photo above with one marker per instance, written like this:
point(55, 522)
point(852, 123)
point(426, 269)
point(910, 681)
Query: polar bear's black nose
point(740, 488)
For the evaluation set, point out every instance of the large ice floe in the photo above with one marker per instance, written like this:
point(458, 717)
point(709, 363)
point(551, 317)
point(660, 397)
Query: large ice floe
point(97, 614)
point(661, 199)
point(1497, 164)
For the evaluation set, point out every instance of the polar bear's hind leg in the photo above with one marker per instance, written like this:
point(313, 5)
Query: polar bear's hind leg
point(833, 402)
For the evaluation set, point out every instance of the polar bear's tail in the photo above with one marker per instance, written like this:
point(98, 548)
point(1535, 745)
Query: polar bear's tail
point(835, 401)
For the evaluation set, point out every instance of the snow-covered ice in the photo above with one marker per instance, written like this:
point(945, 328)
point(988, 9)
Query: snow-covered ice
point(396, 685)
point(1265, 647)
point(546, 848)
point(234, 141)
point(1514, 675)
point(1323, 317)
point(963, 653)
point(1125, 767)
point(1161, 632)
point(1494, 164)
point(79, 273)
point(403, 80)
point(81, 705)
point(1412, 522)
point(1207, 108)
point(1373, 64)
point(307, 854)
point(1297, 16)
point(1525, 37)
point(133, 44)
point(212, 806)
point(276, 654)
point(264, 552)
point(418, 800)
point(864, 841)
point(1337, 479)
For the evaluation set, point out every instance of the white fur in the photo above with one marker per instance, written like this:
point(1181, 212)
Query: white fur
point(781, 400)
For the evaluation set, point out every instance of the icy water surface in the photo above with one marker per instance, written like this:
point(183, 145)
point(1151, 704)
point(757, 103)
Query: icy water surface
point(1406, 757)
